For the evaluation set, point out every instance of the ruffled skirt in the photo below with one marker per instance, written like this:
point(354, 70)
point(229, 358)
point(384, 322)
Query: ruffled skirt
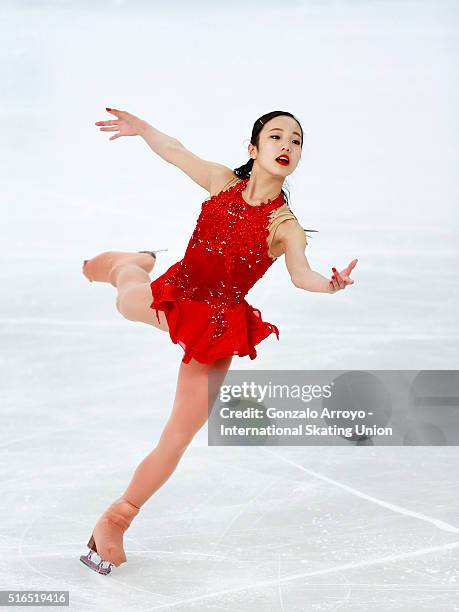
point(191, 326)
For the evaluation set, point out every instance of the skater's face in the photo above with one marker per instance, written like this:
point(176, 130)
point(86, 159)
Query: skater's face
point(279, 136)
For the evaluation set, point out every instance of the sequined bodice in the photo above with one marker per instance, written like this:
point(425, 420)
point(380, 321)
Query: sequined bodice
point(227, 252)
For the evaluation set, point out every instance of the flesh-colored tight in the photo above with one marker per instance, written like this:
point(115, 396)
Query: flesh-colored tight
point(192, 398)
point(189, 414)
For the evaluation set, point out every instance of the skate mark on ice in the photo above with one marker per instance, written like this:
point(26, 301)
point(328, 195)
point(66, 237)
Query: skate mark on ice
point(395, 508)
point(321, 572)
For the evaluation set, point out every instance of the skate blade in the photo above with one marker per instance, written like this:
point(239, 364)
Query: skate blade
point(103, 567)
point(153, 253)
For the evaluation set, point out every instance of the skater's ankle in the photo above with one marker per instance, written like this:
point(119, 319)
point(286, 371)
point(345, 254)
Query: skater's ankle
point(124, 499)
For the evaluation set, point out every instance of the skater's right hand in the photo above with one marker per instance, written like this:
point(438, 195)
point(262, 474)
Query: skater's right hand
point(125, 124)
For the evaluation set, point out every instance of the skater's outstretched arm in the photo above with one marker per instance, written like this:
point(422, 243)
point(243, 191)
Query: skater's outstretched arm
point(204, 173)
point(207, 174)
point(291, 235)
point(127, 124)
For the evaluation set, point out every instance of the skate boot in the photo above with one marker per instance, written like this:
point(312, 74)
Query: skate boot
point(100, 267)
point(107, 538)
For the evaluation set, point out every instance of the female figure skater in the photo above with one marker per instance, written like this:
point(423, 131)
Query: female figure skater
point(243, 228)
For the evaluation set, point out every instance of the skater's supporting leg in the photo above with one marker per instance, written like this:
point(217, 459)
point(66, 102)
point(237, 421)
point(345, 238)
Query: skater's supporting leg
point(189, 414)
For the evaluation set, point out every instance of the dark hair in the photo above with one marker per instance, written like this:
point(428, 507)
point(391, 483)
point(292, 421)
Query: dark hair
point(245, 170)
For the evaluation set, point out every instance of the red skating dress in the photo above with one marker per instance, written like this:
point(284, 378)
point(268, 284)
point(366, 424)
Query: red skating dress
point(202, 295)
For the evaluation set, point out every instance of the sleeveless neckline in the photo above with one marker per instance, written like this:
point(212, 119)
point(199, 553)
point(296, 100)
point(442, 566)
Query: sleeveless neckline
point(242, 186)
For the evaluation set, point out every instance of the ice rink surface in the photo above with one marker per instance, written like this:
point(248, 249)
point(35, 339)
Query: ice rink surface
point(85, 393)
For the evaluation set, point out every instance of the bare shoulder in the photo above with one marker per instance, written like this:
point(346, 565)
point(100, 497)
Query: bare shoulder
point(221, 176)
point(288, 235)
point(289, 230)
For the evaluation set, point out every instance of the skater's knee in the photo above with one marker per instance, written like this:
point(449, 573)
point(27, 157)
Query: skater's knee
point(121, 307)
point(126, 304)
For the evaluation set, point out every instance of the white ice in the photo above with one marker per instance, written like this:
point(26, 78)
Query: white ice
point(85, 393)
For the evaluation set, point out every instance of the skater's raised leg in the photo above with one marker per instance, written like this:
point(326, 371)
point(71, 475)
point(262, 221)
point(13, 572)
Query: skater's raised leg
point(129, 274)
point(99, 268)
point(134, 295)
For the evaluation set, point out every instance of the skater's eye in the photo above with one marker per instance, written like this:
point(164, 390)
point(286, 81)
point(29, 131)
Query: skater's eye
point(277, 136)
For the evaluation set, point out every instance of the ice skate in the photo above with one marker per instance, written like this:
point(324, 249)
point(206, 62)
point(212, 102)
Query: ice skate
point(107, 538)
point(99, 268)
point(153, 253)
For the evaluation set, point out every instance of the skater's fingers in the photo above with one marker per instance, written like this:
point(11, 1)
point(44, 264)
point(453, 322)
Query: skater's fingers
point(109, 129)
point(115, 111)
point(110, 122)
point(115, 136)
point(351, 266)
point(338, 278)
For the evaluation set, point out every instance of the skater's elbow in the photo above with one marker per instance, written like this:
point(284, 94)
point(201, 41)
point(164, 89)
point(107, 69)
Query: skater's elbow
point(302, 280)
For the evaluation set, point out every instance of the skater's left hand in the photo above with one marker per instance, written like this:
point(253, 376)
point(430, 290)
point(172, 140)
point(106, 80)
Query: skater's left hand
point(339, 280)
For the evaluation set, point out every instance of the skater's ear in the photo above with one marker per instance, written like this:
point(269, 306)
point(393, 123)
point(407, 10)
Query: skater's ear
point(252, 150)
